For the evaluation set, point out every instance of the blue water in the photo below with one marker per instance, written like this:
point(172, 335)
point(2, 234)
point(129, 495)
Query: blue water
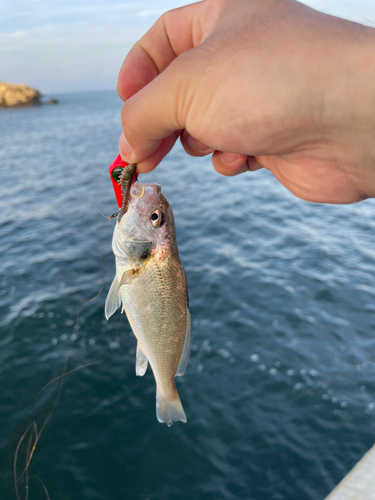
point(280, 388)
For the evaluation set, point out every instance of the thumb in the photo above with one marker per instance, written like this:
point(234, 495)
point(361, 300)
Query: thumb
point(153, 118)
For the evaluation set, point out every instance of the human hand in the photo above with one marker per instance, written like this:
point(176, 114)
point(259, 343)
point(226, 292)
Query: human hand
point(256, 83)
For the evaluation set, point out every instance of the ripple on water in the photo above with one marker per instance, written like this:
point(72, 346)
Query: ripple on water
point(279, 391)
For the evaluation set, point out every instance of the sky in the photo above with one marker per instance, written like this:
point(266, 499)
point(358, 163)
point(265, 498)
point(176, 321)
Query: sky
point(76, 45)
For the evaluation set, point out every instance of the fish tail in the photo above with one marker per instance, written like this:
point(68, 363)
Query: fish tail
point(169, 410)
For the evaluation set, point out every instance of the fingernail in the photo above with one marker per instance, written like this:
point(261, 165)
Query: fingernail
point(126, 151)
point(195, 144)
point(230, 157)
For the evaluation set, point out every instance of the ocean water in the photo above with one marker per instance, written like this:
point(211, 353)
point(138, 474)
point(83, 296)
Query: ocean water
point(280, 388)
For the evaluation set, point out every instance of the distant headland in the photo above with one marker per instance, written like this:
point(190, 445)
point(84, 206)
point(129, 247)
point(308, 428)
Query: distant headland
point(20, 95)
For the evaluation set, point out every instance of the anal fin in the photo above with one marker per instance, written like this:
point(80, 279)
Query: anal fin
point(141, 362)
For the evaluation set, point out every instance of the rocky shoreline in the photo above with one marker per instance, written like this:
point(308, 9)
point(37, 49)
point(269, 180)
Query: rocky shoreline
point(20, 95)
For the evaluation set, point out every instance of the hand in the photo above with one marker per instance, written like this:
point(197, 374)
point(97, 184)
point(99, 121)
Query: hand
point(256, 83)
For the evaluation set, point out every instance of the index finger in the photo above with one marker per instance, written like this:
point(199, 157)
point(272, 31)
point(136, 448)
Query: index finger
point(174, 33)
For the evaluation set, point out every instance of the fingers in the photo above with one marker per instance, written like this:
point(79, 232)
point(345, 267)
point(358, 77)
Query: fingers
point(231, 164)
point(148, 164)
point(137, 70)
point(176, 32)
point(161, 83)
point(253, 164)
point(228, 164)
point(155, 89)
point(160, 109)
point(193, 147)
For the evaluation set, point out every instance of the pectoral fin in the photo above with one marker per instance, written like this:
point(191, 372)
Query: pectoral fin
point(113, 300)
point(141, 362)
point(186, 350)
point(126, 277)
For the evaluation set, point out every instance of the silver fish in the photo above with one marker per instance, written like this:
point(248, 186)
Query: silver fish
point(150, 283)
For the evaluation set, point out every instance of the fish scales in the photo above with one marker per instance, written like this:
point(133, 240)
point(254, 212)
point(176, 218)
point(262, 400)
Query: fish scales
point(154, 315)
point(151, 285)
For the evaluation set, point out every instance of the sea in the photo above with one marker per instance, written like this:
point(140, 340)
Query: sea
point(279, 392)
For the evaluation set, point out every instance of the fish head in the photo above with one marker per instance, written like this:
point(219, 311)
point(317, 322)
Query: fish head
point(146, 230)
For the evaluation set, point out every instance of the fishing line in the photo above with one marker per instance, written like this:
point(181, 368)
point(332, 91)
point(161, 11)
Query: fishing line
point(149, 175)
point(111, 217)
point(76, 327)
point(32, 432)
point(22, 479)
point(44, 489)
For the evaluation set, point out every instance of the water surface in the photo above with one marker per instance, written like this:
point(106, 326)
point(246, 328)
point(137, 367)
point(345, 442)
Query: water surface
point(279, 390)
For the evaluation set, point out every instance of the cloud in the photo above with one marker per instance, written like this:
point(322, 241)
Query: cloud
point(31, 13)
point(68, 37)
point(57, 58)
point(66, 45)
point(41, 10)
point(63, 45)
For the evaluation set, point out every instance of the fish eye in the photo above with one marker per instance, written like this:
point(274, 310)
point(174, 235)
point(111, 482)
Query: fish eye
point(116, 173)
point(144, 255)
point(157, 218)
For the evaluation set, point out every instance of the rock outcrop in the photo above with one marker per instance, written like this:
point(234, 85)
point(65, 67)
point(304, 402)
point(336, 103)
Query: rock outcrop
point(18, 95)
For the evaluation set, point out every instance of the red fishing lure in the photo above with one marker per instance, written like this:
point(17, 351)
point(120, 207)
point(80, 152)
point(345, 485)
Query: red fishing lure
point(115, 169)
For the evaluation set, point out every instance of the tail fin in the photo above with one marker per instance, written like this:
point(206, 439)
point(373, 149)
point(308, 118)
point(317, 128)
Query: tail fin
point(169, 411)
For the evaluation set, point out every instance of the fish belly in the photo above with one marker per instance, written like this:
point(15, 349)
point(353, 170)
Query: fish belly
point(155, 302)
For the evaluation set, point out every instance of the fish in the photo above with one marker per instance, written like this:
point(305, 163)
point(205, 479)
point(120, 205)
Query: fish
point(151, 285)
